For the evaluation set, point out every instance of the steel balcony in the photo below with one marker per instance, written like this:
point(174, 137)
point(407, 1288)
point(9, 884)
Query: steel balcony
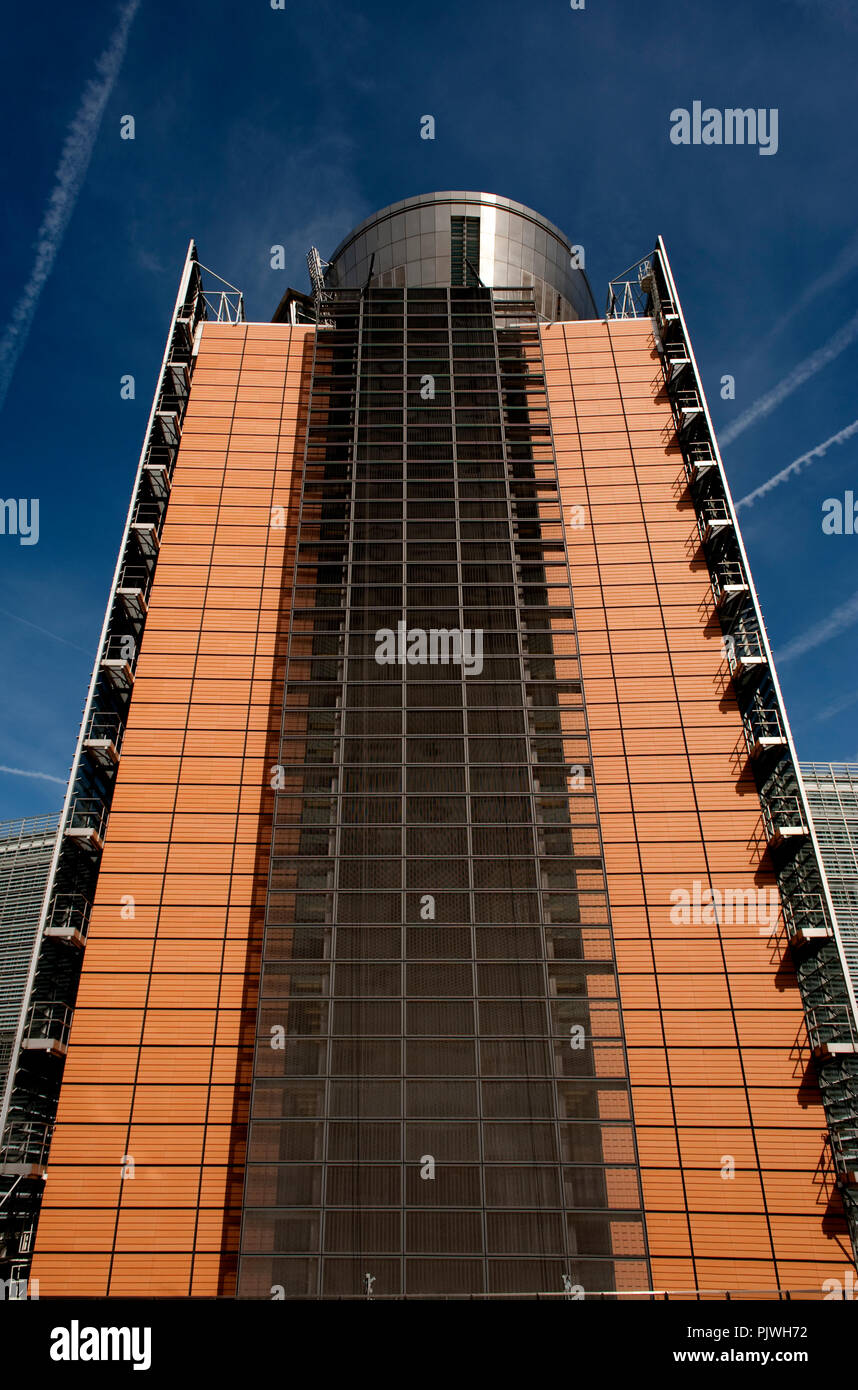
point(47, 1027)
point(764, 731)
point(831, 1030)
point(146, 527)
point(24, 1151)
point(699, 459)
point(784, 820)
point(132, 591)
point(745, 654)
point(713, 518)
point(103, 738)
point(117, 664)
point(728, 583)
point(688, 407)
point(68, 918)
point(86, 822)
point(806, 918)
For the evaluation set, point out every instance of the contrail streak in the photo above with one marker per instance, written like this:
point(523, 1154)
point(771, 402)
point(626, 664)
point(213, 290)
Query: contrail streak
point(47, 632)
point(68, 181)
point(797, 377)
point(842, 617)
point(838, 707)
point(797, 465)
point(43, 776)
point(843, 265)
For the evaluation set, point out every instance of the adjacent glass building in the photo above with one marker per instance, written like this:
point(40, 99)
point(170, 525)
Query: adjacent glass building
point(26, 850)
point(25, 856)
point(458, 926)
point(832, 795)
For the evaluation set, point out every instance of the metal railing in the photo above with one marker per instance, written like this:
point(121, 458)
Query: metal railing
point(104, 728)
point(120, 648)
point(169, 418)
point(665, 308)
point(160, 456)
point(629, 294)
point(48, 1020)
point(21, 830)
point(713, 514)
point(68, 913)
point(225, 306)
point(727, 576)
point(783, 815)
point(160, 463)
point(149, 514)
point(844, 1145)
point(87, 814)
point(743, 646)
point(772, 1295)
point(763, 726)
point(175, 391)
point(829, 1024)
point(135, 577)
point(804, 912)
point(676, 357)
point(26, 1143)
point(700, 452)
point(687, 402)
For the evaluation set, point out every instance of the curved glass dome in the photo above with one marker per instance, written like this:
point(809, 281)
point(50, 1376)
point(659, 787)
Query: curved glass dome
point(440, 239)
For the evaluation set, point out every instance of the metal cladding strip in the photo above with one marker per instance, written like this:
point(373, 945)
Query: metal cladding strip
point(190, 262)
point(284, 712)
point(850, 991)
point(614, 965)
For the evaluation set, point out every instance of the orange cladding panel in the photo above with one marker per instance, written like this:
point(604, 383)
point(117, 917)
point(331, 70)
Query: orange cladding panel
point(146, 1165)
point(729, 1128)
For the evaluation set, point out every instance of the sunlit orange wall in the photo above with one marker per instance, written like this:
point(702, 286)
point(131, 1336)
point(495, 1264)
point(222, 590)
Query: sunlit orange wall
point(158, 1066)
point(712, 1015)
point(159, 1058)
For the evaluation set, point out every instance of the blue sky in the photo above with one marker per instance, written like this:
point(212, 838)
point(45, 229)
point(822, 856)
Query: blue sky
point(257, 126)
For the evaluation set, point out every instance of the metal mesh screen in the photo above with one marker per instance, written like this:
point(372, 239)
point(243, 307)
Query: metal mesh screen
point(440, 1099)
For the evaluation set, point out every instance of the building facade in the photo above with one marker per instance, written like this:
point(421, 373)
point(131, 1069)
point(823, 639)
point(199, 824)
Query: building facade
point(458, 926)
point(832, 796)
point(26, 848)
point(25, 857)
